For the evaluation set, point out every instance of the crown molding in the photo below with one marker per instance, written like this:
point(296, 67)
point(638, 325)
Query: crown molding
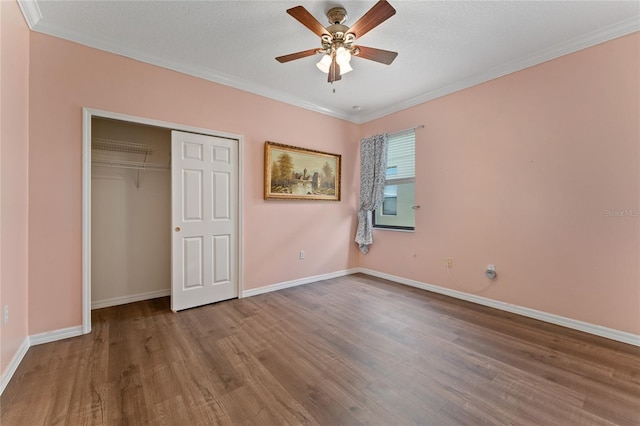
point(602, 35)
point(33, 16)
point(220, 78)
point(31, 12)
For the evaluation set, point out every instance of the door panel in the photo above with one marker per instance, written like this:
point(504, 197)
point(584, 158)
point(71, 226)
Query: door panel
point(221, 193)
point(193, 268)
point(221, 258)
point(205, 222)
point(192, 196)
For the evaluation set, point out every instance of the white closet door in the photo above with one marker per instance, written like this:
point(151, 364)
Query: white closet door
point(204, 179)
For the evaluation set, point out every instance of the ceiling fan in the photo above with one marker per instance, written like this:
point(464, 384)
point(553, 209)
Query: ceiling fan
point(337, 40)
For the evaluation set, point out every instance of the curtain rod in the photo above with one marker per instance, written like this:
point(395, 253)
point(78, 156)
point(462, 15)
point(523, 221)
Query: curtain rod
point(419, 126)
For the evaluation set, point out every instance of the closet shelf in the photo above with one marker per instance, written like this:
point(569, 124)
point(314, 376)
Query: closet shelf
point(131, 165)
point(127, 147)
point(120, 146)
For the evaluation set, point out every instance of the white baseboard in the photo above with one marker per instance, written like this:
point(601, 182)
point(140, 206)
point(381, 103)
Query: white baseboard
point(609, 333)
point(7, 374)
point(52, 336)
point(36, 339)
point(294, 283)
point(105, 303)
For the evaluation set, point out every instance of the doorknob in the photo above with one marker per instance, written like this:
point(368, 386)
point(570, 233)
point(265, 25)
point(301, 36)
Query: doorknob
point(177, 229)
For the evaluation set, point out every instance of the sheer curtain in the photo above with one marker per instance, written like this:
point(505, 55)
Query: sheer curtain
point(373, 173)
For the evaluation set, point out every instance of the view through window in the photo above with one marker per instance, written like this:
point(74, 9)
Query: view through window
point(399, 191)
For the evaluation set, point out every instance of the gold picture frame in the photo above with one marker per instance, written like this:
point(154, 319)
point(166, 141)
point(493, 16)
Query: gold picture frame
point(292, 173)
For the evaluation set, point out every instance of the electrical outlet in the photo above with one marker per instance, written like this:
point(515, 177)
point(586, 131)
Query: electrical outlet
point(449, 263)
point(491, 271)
point(5, 315)
point(301, 254)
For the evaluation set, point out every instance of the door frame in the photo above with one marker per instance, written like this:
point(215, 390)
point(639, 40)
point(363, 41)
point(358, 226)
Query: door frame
point(87, 115)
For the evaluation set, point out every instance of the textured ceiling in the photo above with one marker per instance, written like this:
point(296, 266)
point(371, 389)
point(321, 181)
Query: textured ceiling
point(443, 46)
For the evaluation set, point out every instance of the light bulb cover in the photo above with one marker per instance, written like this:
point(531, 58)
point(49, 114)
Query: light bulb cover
point(324, 64)
point(345, 68)
point(343, 57)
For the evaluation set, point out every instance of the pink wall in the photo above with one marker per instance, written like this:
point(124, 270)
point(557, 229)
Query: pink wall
point(14, 177)
point(66, 77)
point(518, 172)
point(521, 172)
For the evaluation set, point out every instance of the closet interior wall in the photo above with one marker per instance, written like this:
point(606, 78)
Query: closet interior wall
point(130, 214)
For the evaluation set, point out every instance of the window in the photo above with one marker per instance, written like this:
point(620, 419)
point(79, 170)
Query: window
point(399, 191)
point(390, 203)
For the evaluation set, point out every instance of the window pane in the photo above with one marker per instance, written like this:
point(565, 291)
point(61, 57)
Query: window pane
point(402, 204)
point(390, 206)
point(399, 198)
point(391, 191)
point(401, 156)
point(390, 200)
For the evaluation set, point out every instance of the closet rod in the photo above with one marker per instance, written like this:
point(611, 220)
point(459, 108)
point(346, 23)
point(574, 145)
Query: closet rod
point(132, 165)
point(419, 126)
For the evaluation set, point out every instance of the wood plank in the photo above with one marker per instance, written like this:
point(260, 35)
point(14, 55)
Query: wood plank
point(350, 350)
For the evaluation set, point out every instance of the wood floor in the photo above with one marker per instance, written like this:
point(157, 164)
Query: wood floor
point(347, 351)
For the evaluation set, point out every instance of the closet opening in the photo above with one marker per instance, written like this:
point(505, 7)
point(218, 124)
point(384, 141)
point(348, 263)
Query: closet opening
point(130, 212)
point(161, 213)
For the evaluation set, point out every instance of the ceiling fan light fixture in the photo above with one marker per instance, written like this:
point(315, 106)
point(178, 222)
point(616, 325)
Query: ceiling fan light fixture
point(324, 64)
point(345, 68)
point(337, 39)
point(343, 57)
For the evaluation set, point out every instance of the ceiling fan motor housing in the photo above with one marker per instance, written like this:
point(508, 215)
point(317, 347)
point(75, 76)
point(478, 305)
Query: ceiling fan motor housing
point(339, 36)
point(337, 15)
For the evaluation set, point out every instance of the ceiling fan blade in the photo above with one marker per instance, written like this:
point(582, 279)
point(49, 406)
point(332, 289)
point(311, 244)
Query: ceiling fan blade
point(378, 55)
point(305, 18)
point(379, 13)
point(297, 55)
point(334, 72)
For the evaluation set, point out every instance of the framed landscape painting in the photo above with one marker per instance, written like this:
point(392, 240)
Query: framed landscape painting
point(292, 173)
